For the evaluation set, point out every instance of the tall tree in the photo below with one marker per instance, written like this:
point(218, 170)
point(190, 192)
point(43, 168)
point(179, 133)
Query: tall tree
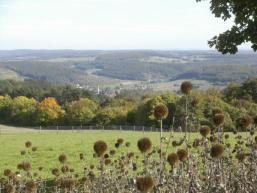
point(49, 111)
point(23, 110)
point(5, 103)
point(244, 13)
point(81, 111)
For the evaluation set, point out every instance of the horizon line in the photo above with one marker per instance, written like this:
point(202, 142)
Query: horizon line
point(128, 49)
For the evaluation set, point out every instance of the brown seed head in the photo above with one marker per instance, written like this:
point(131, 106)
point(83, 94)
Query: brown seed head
point(216, 110)
point(127, 144)
point(63, 158)
point(182, 154)
point(26, 166)
point(161, 111)
point(205, 131)
point(28, 144)
point(100, 148)
point(172, 159)
point(92, 167)
point(7, 172)
point(186, 87)
point(117, 145)
point(23, 152)
point(34, 149)
point(81, 156)
point(218, 119)
point(120, 141)
point(107, 162)
point(31, 186)
point(244, 122)
point(72, 170)
point(9, 188)
point(56, 172)
point(174, 143)
point(144, 144)
point(112, 152)
point(145, 184)
point(217, 150)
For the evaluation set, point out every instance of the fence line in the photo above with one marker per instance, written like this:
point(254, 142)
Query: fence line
point(102, 128)
point(79, 128)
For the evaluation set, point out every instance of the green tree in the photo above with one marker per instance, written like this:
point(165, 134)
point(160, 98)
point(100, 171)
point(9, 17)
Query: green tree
point(111, 115)
point(232, 91)
point(82, 111)
point(247, 90)
point(5, 103)
point(144, 115)
point(244, 13)
point(22, 110)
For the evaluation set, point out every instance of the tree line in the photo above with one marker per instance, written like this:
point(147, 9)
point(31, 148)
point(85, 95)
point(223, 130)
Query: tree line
point(37, 104)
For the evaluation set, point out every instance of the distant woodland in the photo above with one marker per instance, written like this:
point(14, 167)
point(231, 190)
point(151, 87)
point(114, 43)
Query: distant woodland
point(34, 103)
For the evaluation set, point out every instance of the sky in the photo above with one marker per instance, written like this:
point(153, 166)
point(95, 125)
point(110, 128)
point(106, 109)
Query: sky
point(107, 24)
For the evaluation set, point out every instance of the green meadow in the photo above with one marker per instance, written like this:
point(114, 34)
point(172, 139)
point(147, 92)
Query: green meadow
point(50, 144)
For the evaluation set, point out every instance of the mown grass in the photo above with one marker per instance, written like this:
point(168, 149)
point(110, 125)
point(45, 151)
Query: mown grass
point(51, 144)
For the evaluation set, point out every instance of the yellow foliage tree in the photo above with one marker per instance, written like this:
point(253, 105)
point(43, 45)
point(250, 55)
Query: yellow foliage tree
point(49, 111)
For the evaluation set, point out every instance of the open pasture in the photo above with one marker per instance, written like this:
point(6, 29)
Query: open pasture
point(51, 144)
point(103, 161)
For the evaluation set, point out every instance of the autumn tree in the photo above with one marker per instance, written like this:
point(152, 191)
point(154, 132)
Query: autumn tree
point(244, 14)
point(49, 111)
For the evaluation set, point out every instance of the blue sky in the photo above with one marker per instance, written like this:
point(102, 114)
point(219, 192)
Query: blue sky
point(107, 24)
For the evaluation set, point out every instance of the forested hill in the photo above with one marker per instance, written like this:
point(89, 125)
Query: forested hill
point(108, 68)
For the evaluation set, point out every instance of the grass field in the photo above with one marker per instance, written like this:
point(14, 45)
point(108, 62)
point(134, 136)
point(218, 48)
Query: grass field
point(51, 144)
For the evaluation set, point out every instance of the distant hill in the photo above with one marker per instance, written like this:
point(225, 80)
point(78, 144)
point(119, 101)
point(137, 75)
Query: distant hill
point(115, 68)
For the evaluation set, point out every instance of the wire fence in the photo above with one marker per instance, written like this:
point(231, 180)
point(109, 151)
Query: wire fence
point(101, 127)
point(81, 128)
